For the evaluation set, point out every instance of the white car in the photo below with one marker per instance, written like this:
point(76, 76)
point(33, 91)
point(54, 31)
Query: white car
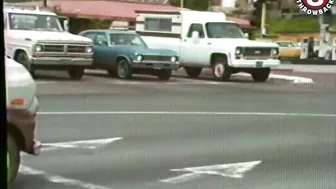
point(22, 106)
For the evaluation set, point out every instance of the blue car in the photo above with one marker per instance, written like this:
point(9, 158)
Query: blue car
point(123, 53)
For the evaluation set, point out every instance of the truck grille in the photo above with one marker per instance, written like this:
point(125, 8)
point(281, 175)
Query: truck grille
point(76, 49)
point(257, 51)
point(53, 48)
point(157, 58)
point(60, 48)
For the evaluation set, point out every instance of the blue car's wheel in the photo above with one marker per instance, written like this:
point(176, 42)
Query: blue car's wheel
point(124, 69)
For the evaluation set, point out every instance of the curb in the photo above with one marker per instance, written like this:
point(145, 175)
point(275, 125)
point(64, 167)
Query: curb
point(283, 69)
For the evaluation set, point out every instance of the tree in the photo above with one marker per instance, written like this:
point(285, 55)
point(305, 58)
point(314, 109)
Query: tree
point(201, 5)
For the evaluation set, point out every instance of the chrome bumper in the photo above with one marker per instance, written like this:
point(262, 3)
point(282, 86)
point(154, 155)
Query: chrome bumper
point(156, 65)
point(46, 61)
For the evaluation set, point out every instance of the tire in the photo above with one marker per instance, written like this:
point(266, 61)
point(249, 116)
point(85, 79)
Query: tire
point(23, 59)
point(76, 73)
point(261, 75)
point(193, 72)
point(220, 69)
point(13, 151)
point(124, 69)
point(164, 74)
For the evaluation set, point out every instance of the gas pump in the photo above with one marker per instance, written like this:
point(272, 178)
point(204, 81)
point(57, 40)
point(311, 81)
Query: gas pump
point(334, 49)
point(304, 48)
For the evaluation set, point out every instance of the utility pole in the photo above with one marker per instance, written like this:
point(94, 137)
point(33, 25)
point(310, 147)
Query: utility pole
point(263, 18)
point(181, 3)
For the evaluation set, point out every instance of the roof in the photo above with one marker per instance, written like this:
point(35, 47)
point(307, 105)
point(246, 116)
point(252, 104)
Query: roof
point(112, 10)
point(116, 31)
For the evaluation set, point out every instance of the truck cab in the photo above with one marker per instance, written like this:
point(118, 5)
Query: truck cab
point(206, 39)
point(35, 38)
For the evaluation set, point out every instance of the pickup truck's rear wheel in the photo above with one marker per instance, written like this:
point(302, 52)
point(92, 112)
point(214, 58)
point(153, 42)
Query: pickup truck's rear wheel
point(220, 69)
point(261, 75)
point(23, 59)
point(76, 72)
point(164, 74)
point(13, 155)
point(124, 69)
point(193, 72)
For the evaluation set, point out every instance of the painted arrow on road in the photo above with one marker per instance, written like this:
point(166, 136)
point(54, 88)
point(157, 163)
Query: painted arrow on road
point(81, 144)
point(84, 144)
point(233, 170)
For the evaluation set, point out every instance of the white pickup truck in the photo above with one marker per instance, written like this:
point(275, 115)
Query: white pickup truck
point(206, 39)
point(35, 38)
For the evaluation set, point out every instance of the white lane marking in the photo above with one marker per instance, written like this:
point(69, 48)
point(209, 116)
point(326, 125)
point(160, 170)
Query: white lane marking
point(233, 170)
point(82, 144)
point(294, 79)
point(86, 144)
point(59, 179)
point(46, 82)
point(186, 113)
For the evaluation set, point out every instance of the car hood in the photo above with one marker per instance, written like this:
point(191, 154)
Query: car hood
point(232, 42)
point(152, 52)
point(48, 36)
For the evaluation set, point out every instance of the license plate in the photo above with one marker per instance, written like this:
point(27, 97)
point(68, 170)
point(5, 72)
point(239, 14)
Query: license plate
point(158, 66)
point(66, 61)
point(259, 64)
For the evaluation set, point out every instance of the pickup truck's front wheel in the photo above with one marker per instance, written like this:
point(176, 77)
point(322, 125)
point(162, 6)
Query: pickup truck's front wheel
point(193, 72)
point(76, 72)
point(164, 74)
point(23, 59)
point(261, 75)
point(13, 155)
point(220, 69)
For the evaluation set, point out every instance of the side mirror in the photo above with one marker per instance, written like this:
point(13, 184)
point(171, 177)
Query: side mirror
point(66, 25)
point(247, 35)
point(195, 35)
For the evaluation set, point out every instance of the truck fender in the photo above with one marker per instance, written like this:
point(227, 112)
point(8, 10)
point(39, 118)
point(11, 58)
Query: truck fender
point(17, 50)
point(226, 55)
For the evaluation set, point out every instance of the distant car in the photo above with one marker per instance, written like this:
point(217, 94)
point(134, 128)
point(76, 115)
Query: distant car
point(288, 49)
point(22, 106)
point(123, 53)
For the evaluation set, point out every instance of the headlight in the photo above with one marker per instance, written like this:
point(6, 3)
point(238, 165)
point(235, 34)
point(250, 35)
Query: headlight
point(239, 51)
point(173, 59)
point(274, 52)
point(138, 58)
point(89, 49)
point(38, 48)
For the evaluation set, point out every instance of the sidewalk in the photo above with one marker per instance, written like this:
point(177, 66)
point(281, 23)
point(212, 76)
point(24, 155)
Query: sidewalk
point(306, 68)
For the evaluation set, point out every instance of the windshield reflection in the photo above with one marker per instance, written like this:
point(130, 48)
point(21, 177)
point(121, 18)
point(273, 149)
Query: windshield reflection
point(34, 22)
point(224, 30)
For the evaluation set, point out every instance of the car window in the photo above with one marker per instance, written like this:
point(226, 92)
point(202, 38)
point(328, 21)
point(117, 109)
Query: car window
point(126, 39)
point(90, 35)
point(100, 39)
point(198, 28)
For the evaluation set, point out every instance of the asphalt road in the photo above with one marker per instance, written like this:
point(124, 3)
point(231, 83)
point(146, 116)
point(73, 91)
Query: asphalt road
point(287, 131)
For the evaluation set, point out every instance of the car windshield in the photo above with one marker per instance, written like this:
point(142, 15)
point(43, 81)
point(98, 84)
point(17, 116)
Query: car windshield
point(127, 39)
point(224, 30)
point(34, 22)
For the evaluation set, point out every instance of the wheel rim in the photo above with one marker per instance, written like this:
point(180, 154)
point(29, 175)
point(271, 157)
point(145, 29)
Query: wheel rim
point(219, 70)
point(122, 69)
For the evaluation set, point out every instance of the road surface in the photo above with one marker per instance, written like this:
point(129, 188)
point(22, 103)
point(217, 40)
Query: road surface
point(248, 135)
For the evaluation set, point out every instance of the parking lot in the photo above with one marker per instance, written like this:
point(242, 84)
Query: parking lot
point(106, 133)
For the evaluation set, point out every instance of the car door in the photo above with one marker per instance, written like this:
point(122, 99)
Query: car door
point(101, 48)
point(193, 52)
point(92, 35)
